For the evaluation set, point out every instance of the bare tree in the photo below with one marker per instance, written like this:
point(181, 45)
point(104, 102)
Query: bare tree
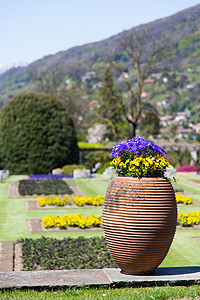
point(144, 53)
point(49, 81)
point(53, 82)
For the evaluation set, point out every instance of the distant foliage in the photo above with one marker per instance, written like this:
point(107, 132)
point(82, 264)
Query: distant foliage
point(36, 134)
point(149, 123)
point(178, 158)
point(69, 169)
point(110, 109)
point(188, 40)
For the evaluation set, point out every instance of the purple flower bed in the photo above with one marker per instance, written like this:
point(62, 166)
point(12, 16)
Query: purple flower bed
point(48, 186)
point(186, 168)
point(68, 253)
point(49, 176)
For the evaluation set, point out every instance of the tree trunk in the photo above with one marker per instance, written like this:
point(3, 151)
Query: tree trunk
point(133, 127)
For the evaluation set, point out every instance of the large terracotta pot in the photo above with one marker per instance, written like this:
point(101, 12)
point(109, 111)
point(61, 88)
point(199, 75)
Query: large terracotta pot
point(139, 221)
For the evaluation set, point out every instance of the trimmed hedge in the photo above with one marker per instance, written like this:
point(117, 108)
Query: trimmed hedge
point(36, 134)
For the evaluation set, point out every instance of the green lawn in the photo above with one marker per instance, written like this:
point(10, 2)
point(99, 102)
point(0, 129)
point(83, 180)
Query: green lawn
point(93, 186)
point(14, 216)
point(193, 188)
point(85, 293)
point(185, 249)
point(190, 176)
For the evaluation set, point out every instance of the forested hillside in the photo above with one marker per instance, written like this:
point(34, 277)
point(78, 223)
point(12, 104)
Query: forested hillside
point(76, 74)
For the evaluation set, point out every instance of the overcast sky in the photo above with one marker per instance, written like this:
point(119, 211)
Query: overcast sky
point(31, 29)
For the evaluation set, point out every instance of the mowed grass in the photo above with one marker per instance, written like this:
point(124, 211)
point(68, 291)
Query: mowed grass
point(193, 188)
point(190, 176)
point(85, 293)
point(93, 186)
point(14, 215)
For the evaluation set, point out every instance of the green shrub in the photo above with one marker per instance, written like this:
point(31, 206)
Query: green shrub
point(90, 158)
point(104, 166)
point(68, 169)
point(36, 134)
point(178, 158)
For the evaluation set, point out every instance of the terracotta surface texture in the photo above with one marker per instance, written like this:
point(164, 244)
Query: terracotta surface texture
point(139, 221)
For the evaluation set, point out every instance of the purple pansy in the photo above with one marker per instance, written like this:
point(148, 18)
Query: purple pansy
point(137, 146)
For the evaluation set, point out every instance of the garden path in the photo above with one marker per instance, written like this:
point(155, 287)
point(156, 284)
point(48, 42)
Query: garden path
point(98, 277)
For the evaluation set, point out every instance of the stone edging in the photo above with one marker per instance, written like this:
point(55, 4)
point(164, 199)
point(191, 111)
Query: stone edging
point(32, 204)
point(98, 277)
point(10, 256)
point(13, 191)
point(18, 265)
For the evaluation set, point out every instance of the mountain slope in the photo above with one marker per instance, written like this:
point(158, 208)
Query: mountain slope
point(182, 28)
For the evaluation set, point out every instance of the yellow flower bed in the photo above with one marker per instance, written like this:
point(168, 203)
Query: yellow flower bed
point(189, 219)
point(72, 220)
point(42, 201)
point(183, 199)
point(97, 201)
point(80, 201)
point(184, 219)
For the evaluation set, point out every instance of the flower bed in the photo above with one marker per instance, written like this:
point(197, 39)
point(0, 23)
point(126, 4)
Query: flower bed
point(38, 187)
point(184, 219)
point(186, 168)
point(84, 200)
point(65, 254)
point(183, 199)
point(49, 176)
point(72, 220)
point(79, 201)
point(48, 200)
point(96, 201)
point(188, 219)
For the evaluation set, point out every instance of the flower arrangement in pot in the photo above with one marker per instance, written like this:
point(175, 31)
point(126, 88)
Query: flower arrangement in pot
point(139, 158)
point(139, 212)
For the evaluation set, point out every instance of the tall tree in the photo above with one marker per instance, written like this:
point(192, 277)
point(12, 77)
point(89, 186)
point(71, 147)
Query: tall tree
point(149, 123)
point(143, 52)
point(109, 110)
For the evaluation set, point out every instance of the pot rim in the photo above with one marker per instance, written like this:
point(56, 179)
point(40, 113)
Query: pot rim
point(146, 176)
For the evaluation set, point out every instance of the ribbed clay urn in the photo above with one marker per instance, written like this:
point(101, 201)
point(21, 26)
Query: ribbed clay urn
point(139, 221)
